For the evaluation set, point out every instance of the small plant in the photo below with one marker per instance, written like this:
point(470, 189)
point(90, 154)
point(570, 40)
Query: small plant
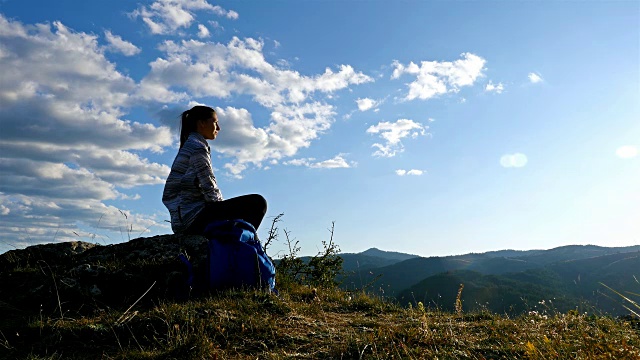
point(273, 232)
point(459, 300)
point(321, 270)
point(325, 267)
point(291, 267)
point(420, 307)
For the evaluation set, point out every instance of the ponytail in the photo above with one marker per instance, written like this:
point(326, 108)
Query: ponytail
point(189, 120)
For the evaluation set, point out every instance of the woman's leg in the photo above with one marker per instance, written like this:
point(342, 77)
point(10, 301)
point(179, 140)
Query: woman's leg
point(250, 208)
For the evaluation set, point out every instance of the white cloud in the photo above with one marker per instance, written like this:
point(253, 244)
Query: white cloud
point(4, 210)
point(216, 25)
point(228, 14)
point(393, 133)
point(276, 44)
point(203, 32)
point(366, 104)
point(117, 44)
point(434, 78)
point(516, 160)
point(335, 163)
point(53, 180)
point(38, 219)
point(167, 16)
point(299, 162)
point(535, 78)
point(413, 172)
point(491, 87)
point(291, 128)
point(80, 73)
point(235, 169)
point(73, 148)
point(128, 197)
point(219, 70)
point(627, 152)
point(282, 63)
point(120, 167)
point(214, 69)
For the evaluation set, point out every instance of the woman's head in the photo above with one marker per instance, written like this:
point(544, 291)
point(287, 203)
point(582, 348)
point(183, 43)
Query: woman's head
point(200, 119)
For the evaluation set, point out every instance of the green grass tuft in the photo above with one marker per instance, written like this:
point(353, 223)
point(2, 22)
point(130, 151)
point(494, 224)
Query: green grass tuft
point(314, 323)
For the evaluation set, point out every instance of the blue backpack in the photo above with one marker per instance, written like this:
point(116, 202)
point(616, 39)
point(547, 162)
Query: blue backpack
point(236, 258)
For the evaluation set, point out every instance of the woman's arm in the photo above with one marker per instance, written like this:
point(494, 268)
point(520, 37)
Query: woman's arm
point(201, 161)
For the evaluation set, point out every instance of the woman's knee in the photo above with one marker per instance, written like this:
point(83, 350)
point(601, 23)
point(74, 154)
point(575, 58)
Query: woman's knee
point(260, 202)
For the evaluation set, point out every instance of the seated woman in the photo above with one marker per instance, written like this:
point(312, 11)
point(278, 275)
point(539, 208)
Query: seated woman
point(191, 192)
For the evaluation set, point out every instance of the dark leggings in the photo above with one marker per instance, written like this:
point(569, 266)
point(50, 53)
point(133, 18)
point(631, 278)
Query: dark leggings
point(250, 208)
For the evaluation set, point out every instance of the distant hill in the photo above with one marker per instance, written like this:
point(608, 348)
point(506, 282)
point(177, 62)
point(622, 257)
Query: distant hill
point(372, 258)
point(393, 279)
point(561, 286)
point(398, 276)
point(391, 255)
point(575, 252)
point(357, 263)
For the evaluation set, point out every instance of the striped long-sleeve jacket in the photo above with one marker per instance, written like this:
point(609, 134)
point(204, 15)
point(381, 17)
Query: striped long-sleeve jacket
point(190, 184)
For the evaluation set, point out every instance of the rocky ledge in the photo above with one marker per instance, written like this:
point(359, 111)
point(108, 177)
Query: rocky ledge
point(77, 277)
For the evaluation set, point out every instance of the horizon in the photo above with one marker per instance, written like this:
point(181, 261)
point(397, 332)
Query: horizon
point(447, 255)
point(438, 129)
point(468, 253)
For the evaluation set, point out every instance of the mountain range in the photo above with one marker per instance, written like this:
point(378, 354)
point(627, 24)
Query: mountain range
point(506, 281)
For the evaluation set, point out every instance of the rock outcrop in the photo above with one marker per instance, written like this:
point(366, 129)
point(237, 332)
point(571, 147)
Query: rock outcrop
point(79, 277)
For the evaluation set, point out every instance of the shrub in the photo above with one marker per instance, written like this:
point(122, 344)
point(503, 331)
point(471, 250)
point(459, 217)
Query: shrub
point(321, 270)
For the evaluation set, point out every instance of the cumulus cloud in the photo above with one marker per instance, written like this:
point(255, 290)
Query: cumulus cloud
point(516, 160)
point(117, 44)
point(497, 88)
point(393, 133)
point(367, 104)
point(66, 146)
point(335, 163)
point(32, 219)
point(413, 172)
point(219, 70)
point(53, 180)
point(216, 25)
point(627, 152)
point(291, 128)
point(73, 149)
point(79, 73)
point(434, 78)
point(203, 32)
point(222, 70)
point(167, 16)
point(535, 78)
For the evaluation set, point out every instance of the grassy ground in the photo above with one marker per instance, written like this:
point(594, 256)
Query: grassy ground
point(306, 324)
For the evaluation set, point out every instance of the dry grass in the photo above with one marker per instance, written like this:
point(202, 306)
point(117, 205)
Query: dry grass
point(304, 323)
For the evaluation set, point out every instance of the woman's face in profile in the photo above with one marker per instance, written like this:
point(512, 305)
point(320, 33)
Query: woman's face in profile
point(209, 128)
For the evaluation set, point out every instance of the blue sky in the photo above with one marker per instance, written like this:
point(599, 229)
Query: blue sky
point(432, 128)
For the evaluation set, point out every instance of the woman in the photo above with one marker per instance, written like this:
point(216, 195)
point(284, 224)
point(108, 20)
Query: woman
point(191, 192)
